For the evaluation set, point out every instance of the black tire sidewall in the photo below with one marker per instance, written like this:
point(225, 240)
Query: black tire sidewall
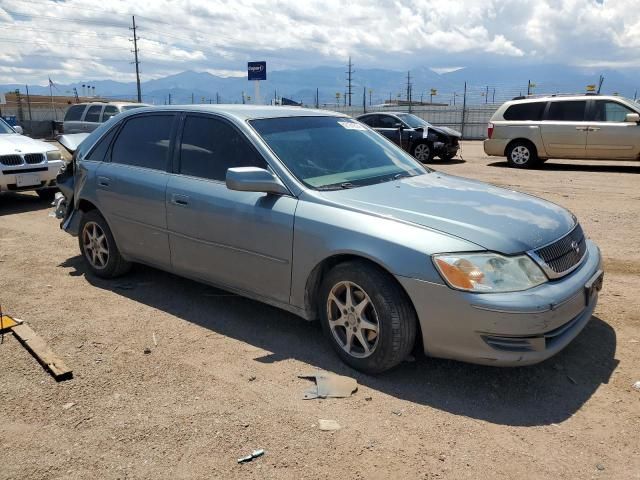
point(429, 158)
point(112, 269)
point(533, 156)
point(392, 307)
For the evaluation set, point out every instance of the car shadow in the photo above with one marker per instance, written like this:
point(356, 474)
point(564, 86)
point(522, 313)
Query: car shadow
point(11, 203)
point(542, 394)
point(453, 161)
point(579, 167)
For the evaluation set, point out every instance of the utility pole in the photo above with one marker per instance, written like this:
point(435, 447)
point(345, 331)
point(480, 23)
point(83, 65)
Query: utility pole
point(191, 98)
point(217, 98)
point(169, 99)
point(349, 78)
point(370, 92)
point(600, 83)
point(493, 99)
point(364, 99)
point(464, 108)
point(409, 90)
point(29, 107)
point(486, 95)
point(136, 61)
point(317, 97)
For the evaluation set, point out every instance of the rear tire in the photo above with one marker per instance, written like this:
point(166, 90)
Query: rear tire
point(522, 154)
point(361, 304)
point(98, 247)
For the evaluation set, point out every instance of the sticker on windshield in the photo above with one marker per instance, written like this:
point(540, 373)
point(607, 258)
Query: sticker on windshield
point(352, 126)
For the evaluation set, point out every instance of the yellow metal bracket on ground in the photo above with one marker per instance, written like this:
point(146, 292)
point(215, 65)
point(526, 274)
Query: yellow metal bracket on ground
point(6, 322)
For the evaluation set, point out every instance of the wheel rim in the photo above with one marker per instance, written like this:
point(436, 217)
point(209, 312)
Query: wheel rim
point(422, 152)
point(353, 319)
point(520, 155)
point(95, 246)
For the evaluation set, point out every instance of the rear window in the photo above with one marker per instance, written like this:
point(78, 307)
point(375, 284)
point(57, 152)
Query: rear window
point(144, 142)
point(525, 111)
point(567, 111)
point(74, 113)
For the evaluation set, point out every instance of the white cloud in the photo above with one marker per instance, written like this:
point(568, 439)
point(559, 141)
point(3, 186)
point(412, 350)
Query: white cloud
point(92, 39)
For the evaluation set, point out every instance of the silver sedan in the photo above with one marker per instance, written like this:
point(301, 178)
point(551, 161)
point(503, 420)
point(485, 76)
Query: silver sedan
point(315, 213)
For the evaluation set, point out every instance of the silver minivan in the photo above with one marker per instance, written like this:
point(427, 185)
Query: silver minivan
point(86, 117)
point(529, 131)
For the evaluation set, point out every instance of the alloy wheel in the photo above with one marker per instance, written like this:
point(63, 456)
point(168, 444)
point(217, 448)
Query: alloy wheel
point(353, 319)
point(95, 246)
point(520, 155)
point(422, 152)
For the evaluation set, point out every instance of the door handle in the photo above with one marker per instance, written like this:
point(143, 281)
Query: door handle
point(582, 128)
point(103, 181)
point(180, 200)
point(593, 129)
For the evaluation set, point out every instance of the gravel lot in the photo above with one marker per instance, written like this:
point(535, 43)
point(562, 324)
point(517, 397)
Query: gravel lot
point(223, 378)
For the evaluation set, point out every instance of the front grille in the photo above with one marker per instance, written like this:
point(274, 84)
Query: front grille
point(11, 160)
point(564, 254)
point(32, 158)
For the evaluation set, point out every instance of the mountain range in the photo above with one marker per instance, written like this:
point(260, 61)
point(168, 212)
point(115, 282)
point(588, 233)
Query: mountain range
point(484, 85)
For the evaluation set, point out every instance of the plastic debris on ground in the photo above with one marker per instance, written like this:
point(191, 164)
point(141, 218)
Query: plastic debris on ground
point(329, 385)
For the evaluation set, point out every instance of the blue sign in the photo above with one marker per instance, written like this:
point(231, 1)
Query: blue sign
point(257, 70)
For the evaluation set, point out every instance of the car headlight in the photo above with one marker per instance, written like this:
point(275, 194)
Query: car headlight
point(54, 155)
point(488, 272)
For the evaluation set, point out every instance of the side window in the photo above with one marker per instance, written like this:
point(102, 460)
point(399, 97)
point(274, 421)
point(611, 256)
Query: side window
point(567, 111)
point(525, 111)
point(385, 121)
point(608, 111)
point(100, 149)
point(144, 142)
point(74, 113)
point(93, 114)
point(109, 111)
point(371, 120)
point(210, 146)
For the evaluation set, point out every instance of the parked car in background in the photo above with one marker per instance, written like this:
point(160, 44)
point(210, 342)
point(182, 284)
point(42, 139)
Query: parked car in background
point(317, 214)
point(415, 135)
point(27, 164)
point(529, 131)
point(86, 117)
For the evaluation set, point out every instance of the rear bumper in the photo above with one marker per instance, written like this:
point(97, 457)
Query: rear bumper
point(510, 329)
point(46, 174)
point(495, 147)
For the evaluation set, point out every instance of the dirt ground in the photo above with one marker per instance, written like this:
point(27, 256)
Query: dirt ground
point(223, 378)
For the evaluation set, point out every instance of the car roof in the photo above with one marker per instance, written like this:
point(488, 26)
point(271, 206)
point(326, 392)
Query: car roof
point(551, 98)
point(241, 112)
point(122, 104)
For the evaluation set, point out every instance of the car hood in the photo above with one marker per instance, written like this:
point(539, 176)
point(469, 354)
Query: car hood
point(446, 130)
point(494, 218)
point(11, 143)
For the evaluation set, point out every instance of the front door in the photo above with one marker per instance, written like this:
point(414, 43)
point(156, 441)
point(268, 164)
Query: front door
point(609, 136)
point(131, 188)
point(564, 129)
point(242, 240)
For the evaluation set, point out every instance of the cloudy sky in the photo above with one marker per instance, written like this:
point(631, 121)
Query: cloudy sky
point(72, 40)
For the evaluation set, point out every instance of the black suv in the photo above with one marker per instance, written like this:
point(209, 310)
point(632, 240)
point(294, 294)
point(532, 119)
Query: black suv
point(415, 135)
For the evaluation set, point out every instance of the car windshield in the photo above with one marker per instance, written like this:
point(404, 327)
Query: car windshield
point(335, 152)
point(413, 121)
point(5, 128)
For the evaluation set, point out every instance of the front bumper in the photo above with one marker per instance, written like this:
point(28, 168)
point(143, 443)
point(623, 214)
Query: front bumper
point(45, 173)
point(447, 149)
point(505, 329)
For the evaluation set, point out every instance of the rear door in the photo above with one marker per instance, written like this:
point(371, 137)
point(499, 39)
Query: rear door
point(564, 129)
point(242, 240)
point(92, 118)
point(73, 119)
point(609, 135)
point(131, 187)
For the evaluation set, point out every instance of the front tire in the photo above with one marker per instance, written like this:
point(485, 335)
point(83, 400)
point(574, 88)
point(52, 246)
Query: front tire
point(98, 247)
point(47, 193)
point(522, 154)
point(367, 317)
point(423, 152)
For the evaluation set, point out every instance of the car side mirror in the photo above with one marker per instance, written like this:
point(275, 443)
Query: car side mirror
point(632, 118)
point(399, 125)
point(253, 179)
point(18, 129)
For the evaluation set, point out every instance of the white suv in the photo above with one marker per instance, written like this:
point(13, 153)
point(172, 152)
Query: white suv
point(27, 164)
point(529, 131)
